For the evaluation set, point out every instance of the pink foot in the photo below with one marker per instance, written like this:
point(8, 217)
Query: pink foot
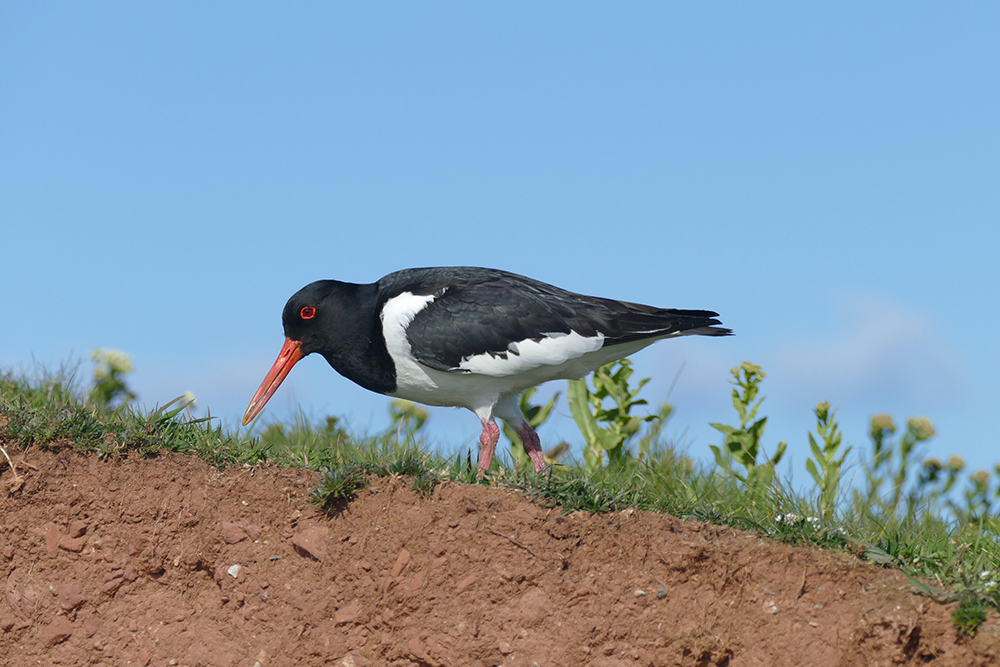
point(487, 445)
point(532, 446)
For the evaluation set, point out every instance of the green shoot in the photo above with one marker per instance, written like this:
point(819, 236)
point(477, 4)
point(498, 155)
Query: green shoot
point(742, 443)
point(406, 416)
point(825, 468)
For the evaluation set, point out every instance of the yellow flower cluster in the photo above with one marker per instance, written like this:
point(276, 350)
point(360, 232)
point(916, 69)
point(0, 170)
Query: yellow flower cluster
point(921, 427)
point(883, 422)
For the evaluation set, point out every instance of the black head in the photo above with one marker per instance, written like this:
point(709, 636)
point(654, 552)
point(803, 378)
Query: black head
point(321, 317)
point(314, 322)
point(314, 316)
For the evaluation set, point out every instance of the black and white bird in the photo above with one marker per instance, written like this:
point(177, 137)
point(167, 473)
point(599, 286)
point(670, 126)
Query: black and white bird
point(467, 337)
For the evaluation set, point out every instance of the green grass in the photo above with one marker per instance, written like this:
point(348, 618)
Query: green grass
point(910, 522)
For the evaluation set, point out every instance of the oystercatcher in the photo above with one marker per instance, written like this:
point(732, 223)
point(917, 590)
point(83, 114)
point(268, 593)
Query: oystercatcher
point(467, 337)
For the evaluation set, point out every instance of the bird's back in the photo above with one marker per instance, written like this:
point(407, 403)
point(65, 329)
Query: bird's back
point(473, 312)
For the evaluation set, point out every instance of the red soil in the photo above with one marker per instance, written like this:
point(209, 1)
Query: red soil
point(168, 561)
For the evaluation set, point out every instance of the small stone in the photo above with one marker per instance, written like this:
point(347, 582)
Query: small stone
point(77, 528)
point(57, 631)
point(51, 540)
point(639, 593)
point(347, 614)
point(144, 657)
point(137, 546)
point(418, 651)
point(70, 596)
point(8, 551)
point(311, 542)
point(401, 560)
point(232, 532)
point(662, 593)
point(111, 585)
point(467, 582)
point(234, 571)
point(74, 544)
point(253, 530)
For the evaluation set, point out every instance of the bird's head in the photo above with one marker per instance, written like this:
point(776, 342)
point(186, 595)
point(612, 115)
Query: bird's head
point(309, 320)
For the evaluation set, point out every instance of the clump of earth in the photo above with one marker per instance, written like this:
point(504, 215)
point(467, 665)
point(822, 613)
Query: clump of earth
point(169, 561)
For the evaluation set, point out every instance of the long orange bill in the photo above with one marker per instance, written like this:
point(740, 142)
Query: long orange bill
point(290, 353)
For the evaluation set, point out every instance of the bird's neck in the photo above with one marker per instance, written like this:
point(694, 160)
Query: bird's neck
point(361, 355)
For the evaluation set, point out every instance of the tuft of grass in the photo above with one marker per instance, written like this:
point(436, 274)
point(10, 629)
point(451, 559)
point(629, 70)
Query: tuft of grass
point(340, 484)
point(969, 615)
point(51, 409)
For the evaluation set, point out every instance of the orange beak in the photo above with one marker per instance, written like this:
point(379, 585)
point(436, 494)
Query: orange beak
point(290, 353)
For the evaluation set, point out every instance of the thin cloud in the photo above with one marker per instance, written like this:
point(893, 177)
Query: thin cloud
point(878, 349)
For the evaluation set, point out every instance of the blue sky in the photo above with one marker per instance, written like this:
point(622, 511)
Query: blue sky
point(827, 178)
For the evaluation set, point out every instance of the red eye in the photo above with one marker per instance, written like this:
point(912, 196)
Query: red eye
point(307, 313)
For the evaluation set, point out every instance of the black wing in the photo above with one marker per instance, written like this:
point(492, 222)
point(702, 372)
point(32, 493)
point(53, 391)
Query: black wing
point(482, 311)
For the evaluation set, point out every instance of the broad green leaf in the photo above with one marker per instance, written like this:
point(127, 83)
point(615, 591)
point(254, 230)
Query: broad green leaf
point(727, 430)
point(780, 452)
point(877, 555)
point(577, 395)
point(811, 468)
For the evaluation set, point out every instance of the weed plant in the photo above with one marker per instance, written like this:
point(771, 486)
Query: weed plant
point(742, 443)
point(610, 403)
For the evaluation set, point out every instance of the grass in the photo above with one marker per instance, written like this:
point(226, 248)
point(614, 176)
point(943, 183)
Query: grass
point(897, 518)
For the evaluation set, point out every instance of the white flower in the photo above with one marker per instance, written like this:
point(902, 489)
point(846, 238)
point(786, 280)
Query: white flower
point(114, 360)
point(795, 518)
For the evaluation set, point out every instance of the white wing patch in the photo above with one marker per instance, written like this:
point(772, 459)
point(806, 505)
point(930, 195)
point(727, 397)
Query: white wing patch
point(553, 349)
point(397, 313)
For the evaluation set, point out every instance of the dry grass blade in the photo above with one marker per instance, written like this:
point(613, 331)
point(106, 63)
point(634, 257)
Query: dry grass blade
point(13, 469)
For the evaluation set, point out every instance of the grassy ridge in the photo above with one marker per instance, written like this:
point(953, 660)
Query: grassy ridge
point(902, 517)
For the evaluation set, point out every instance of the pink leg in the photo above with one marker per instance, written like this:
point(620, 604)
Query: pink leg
point(532, 445)
point(488, 444)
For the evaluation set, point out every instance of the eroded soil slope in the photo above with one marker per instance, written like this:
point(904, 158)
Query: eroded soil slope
point(167, 561)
